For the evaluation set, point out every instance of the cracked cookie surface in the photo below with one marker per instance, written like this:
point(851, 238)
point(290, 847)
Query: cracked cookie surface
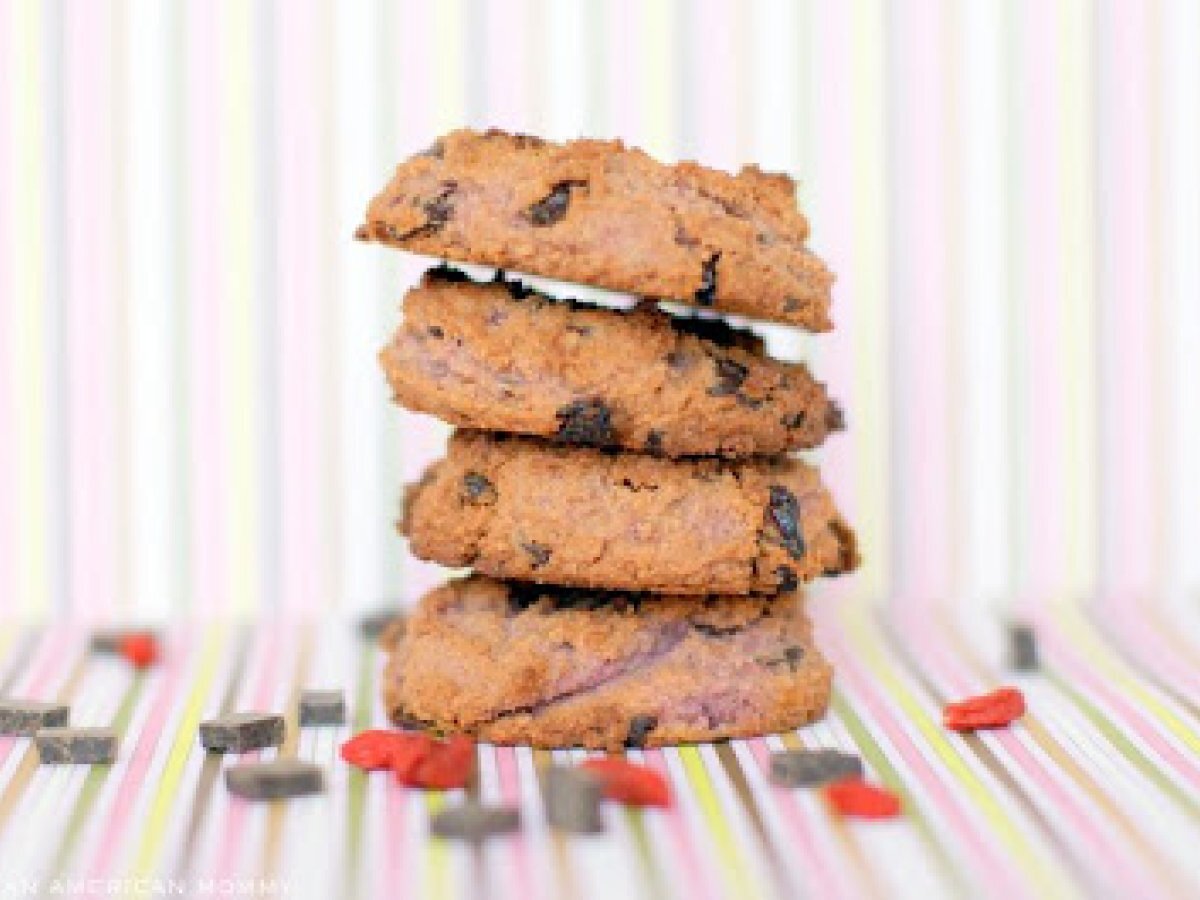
point(599, 213)
point(514, 507)
point(555, 667)
point(500, 357)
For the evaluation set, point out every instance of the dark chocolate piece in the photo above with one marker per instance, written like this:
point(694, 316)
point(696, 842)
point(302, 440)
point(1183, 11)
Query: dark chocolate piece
point(243, 731)
point(373, 624)
point(571, 797)
point(639, 729)
point(475, 822)
point(553, 206)
point(1022, 649)
point(478, 490)
point(25, 717)
point(539, 553)
point(586, 422)
point(785, 513)
point(707, 292)
point(323, 707)
point(85, 746)
point(274, 780)
point(809, 768)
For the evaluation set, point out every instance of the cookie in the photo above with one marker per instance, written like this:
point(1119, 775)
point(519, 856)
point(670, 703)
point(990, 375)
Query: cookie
point(554, 667)
point(523, 508)
point(599, 213)
point(503, 358)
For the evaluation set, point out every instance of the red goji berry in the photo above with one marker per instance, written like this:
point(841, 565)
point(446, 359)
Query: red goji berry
point(447, 764)
point(371, 749)
point(140, 648)
point(629, 782)
point(854, 797)
point(994, 710)
point(409, 755)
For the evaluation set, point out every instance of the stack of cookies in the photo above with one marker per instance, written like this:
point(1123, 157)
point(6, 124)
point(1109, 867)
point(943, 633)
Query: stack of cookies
point(620, 479)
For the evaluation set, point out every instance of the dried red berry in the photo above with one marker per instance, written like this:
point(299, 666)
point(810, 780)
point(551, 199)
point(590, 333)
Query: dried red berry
point(854, 797)
point(140, 648)
point(629, 782)
point(444, 766)
point(408, 756)
point(994, 710)
point(371, 749)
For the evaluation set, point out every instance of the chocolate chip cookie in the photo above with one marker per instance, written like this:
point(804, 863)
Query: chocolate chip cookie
point(599, 213)
point(555, 667)
point(516, 507)
point(498, 356)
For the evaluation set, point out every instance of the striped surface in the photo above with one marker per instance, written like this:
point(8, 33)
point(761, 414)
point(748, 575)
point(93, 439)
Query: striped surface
point(1094, 793)
point(191, 413)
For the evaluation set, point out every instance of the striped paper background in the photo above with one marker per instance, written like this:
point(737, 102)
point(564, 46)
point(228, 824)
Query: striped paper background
point(191, 417)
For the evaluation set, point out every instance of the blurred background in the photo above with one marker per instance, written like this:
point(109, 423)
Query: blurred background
point(191, 416)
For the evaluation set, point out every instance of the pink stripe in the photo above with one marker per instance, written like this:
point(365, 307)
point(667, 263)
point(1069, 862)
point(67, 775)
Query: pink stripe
point(395, 830)
point(958, 681)
point(1130, 515)
point(301, 220)
point(998, 872)
point(506, 56)
point(833, 180)
point(269, 647)
point(46, 672)
point(510, 793)
point(10, 378)
point(920, 367)
point(179, 653)
point(207, 443)
point(716, 93)
point(1040, 342)
point(92, 310)
point(822, 878)
point(682, 840)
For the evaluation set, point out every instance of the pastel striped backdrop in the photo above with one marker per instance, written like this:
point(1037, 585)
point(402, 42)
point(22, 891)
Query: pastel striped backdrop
point(190, 413)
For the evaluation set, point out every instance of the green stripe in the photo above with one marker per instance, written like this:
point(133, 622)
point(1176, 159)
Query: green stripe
point(891, 777)
point(357, 793)
point(96, 777)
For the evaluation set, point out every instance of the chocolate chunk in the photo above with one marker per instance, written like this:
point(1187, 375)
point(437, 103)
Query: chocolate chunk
point(683, 238)
point(240, 732)
point(110, 641)
point(539, 553)
point(86, 746)
point(791, 658)
point(787, 581)
point(478, 490)
point(809, 768)
point(586, 422)
point(748, 402)
point(730, 376)
point(274, 780)
point(447, 273)
point(439, 210)
point(717, 331)
point(793, 421)
point(654, 443)
point(322, 707)
point(707, 292)
point(475, 822)
point(524, 594)
point(551, 208)
point(374, 623)
point(25, 717)
point(571, 797)
point(639, 729)
point(785, 513)
point(835, 419)
point(1022, 648)
point(581, 330)
point(435, 331)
